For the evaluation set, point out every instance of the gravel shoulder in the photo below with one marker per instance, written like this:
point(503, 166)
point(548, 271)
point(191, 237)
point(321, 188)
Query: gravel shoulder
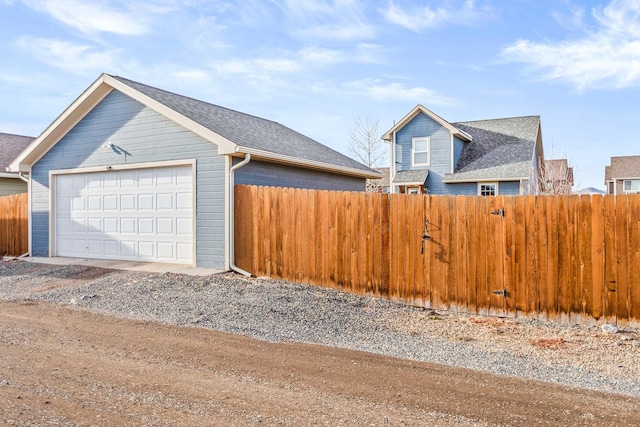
point(281, 312)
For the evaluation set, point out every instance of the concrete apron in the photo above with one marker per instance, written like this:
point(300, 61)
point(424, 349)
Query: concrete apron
point(148, 267)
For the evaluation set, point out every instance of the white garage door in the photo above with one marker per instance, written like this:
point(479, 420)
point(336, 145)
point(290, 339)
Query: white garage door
point(136, 215)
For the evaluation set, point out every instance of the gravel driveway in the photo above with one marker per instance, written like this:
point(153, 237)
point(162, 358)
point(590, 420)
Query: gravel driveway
point(280, 311)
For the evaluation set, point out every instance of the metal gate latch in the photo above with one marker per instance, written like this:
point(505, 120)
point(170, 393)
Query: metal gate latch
point(425, 234)
point(502, 292)
point(498, 212)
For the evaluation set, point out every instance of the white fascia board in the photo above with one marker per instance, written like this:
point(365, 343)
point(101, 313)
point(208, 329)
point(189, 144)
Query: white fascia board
point(400, 184)
point(9, 175)
point(422, 109)
point(623, 178)
point(296, 161)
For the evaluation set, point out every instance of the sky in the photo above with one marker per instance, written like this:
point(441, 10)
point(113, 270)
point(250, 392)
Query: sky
point(316, 66)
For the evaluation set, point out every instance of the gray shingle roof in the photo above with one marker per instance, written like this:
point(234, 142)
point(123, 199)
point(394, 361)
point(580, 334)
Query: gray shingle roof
point(247, 130)
point(384, 181)
point(501, 149)
point(410, 177)
point(10, 147)
point(623, 167)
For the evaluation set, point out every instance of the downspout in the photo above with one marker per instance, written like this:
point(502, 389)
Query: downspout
point(392, 171)
point(232, 257)
point(21, 176)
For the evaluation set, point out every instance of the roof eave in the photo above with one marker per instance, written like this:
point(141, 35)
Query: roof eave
point(387, 136)
point(312, 164)
point(9, 175)
point(95, 93)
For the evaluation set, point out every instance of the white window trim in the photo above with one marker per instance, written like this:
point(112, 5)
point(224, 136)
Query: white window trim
point(624, 182)
point(413, 150)
point(480, 184)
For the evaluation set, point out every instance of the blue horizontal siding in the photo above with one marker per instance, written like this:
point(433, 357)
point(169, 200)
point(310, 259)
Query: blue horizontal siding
point(509, 188)
point(146, 136)
point(439, 146)
point(278, 175)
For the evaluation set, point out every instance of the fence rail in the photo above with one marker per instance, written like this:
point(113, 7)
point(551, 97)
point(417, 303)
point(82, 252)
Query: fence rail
point(573, 258)
point(14, 232)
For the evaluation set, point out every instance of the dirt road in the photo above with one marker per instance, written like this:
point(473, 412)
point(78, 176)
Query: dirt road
point(68, 367)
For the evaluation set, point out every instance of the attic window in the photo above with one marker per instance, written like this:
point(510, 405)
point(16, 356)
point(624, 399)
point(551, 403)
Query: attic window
point(420, 154)
point(488, 189)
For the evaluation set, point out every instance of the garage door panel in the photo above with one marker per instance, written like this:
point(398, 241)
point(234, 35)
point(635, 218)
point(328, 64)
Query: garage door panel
point(165, 225)
point(145, 202)
point(128, 202)
point(94, 225)
point(146, 226)
point(78, 181)
point(110, 202)
point(184, 226)
point(183, 251)
point(111, 248)
point(144, 215)
point(94, 203)
point(164, 201)
point(95, 246)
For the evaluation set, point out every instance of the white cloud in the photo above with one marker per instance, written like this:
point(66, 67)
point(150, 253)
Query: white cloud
point(303, 60)
point(607, 56)
point(419, 18)
point(334, 19)
point(90, 17)
point(381, 91)
point(72, 57)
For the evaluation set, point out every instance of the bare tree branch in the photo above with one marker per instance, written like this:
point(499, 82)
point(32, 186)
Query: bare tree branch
point(366, 146)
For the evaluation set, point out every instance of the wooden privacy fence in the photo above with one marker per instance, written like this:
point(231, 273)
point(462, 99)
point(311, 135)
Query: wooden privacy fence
point(14, 232)
point(573, 258)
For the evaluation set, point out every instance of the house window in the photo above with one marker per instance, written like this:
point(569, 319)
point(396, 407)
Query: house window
point(420, 155)
point(632, 185)
point(413, 190)
point(488, 189)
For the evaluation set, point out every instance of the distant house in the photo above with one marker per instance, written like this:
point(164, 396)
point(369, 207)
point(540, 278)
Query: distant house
point(589, 190)
point(483, 157)
point(622, 176)
point(380, 185)
point(556, 177)
point(132, 172)
point(10, 147)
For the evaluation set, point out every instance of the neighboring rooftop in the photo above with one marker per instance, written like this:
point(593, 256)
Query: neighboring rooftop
point(589, 190)
point(622, 167)
point(10, 146)
point(246, 130)
point(500, 149)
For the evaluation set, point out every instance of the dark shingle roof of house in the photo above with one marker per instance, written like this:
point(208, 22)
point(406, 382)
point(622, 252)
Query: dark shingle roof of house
point(246, 130)
point(559, 169)
point(623, 167)
point(411, 176)
point(501, 149)
point(10, 147)
point(384, 181)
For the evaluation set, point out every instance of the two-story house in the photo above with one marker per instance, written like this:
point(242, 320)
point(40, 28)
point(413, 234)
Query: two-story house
point(483, 157)
point(622, 176)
